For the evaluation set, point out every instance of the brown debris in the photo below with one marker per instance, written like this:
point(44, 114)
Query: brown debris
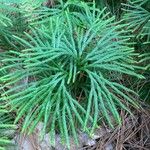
point(134, 134)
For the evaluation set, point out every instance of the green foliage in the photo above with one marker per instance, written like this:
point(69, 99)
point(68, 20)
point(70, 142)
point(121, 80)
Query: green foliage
point(138, 18)
point(62, 73)
point(64, 65)
point(137, 14)
point(11, 23)
point(6, 125)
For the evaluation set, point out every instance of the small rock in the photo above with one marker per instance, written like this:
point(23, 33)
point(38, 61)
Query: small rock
point(86, 140)
point(109, 147)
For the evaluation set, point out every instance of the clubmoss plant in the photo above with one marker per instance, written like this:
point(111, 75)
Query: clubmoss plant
point(62, 75)
point(64, 67)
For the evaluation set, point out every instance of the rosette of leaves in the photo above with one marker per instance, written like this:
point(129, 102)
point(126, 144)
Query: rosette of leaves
point(138, 17)
point(137, 14)
point(11, 22)
point(62, 76)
